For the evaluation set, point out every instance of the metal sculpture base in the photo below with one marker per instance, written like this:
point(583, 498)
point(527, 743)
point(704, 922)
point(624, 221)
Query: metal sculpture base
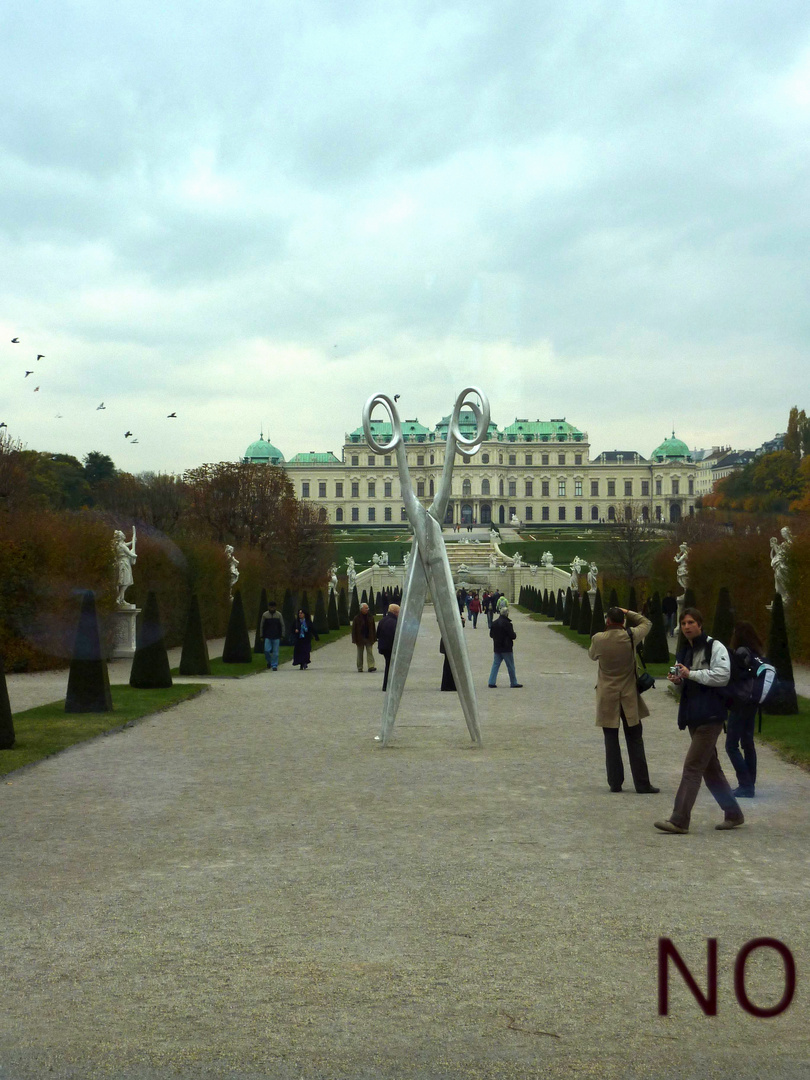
point(123, 622)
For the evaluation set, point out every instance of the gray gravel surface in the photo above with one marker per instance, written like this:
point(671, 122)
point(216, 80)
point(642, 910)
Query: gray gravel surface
point(248, 886)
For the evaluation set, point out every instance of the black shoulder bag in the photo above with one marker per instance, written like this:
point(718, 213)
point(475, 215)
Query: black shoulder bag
point(644, 680)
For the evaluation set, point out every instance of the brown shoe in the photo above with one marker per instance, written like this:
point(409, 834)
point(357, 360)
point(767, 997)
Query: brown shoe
point(669, 826)
point(730, 823)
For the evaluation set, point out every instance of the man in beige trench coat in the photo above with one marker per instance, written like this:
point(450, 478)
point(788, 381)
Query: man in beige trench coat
point(617, 698)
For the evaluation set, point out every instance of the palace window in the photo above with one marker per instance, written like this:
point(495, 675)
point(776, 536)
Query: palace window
point(512, 488)
point(466, 487)
point(403, 514)
point(355, 513)
point(387, 489)
point(432, 459)
point(561, 489)
point(355, 459)
point(544, 459)
point(420, 488)
point(513, 459)
point(578, 513)
point(485, 459)
point(500, 487)
point(372, 489)
point(528, 459)
point(658, 487)
point(544, 513)
point(645, 487)
point(338, 489)
point(577, 489)
point(485, 487)
point(387, 459)
point(545, 488)
point(387, 513)
point(512, 512)
point(465, 458)
point(628, 487)
point(595, 489)
point(529, 489)
point(305, 489)
point(431, 489)
point(658, 513)
point(339, 514)
point(577, 459)
point(611, 489)
point(560, 459)
point(372, 514)
point(561, 513)
point(611, 513)
point(527, 514)
point(371, 459)
point(691, 486)
point(321, 489)
point(676, 486)
point(420, 459)
point(594, 513)
point(355, 489)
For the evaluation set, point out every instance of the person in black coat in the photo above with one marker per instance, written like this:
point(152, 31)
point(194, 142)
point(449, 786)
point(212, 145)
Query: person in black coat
point(303, 633)
point(386, 630)
point(448, 682)
point(503, 634)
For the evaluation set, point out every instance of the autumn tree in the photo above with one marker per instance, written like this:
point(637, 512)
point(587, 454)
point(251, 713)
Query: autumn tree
point(242, 503)
point(629, 546)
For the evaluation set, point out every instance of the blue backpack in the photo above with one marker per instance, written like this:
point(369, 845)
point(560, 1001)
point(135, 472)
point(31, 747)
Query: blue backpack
point(753, 680)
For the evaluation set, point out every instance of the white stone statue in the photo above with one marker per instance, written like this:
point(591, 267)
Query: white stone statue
point(682, 562)
point(533, 568)
point(233, 563)
point(502, 569)
point(333, 580)
point(573, 584)
point(493, 560)
point(494, 536)
point(351, 573)
point(406, 560)
point(375, 558)
point(779, 563)
point(383, 558)
point(125, 559)
point(515, 521)
point(546, 559)
point(579, 563)
point(516, 559)
point(592, 577)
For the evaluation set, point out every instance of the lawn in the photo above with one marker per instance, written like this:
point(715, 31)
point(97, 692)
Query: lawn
point(47, 729)
point(221, 670)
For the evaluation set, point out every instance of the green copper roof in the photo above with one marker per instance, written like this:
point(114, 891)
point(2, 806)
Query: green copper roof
point(381, 430)
point(262, 452)
point(542, 431)
point(466, 421)
point(314, 459)
point(671, 449)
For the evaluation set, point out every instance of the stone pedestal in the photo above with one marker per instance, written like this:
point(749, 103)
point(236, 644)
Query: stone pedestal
point(124, 624)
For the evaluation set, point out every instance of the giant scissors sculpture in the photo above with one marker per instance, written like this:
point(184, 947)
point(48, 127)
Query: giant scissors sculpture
point(429, 566)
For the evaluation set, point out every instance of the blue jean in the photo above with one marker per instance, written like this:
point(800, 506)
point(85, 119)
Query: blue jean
point(740, 733)
point(508, 659)
point(271, 647)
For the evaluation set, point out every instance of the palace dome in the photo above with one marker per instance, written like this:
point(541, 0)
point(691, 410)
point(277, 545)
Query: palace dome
point(672, 449)
point(263, 452)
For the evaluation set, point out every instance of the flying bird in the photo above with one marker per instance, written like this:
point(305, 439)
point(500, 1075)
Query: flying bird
point(134, 442)
point(58, 416)
point(101, 406)
point(41, 356)
point(15, 341)
point(127, 434)
point(36, 389)
point(27, 374)
point(172, 414)
point(396, 397)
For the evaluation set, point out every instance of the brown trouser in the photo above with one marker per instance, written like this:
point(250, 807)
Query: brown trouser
point(370, 655)
point(702, 763)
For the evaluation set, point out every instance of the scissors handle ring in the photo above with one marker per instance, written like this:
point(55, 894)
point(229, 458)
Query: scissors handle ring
point(396, 426)
point(481, 414)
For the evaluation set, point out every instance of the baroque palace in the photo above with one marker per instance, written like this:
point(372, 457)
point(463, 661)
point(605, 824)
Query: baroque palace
point(538, 471)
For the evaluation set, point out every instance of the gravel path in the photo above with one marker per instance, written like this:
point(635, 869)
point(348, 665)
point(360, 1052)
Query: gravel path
point(248, 886)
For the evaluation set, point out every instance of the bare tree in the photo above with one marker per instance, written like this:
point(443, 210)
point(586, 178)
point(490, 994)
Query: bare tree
point(631, 543)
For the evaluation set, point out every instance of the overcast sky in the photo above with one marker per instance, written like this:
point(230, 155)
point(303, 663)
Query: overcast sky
point(258, 215)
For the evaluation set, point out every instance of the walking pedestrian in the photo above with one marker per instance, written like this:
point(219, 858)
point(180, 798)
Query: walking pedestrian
point(475, 610)
point(386, 630)
point(669, 609)
point(272, 632)
point(303, 633)
point(503, 635)
point(746, 651)
point(364, 634)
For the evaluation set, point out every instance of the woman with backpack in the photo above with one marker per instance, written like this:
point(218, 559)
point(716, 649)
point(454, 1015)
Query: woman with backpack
point(745, 652)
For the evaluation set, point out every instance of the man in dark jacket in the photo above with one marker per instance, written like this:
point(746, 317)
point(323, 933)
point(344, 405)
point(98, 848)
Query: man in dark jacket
point(702, 670)
point(386, 629)
point(272, 632)
point(669, 609)
point(364, 634)
point(503, 634)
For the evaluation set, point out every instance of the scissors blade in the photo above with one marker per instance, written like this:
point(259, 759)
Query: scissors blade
point(414, 592)
point(443, 592)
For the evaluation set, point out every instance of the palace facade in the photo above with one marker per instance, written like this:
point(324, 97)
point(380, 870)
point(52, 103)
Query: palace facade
point(538, 471)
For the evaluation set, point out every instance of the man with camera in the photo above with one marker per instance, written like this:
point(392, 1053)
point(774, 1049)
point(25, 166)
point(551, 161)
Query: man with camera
point(617, 697)
point(702, 671)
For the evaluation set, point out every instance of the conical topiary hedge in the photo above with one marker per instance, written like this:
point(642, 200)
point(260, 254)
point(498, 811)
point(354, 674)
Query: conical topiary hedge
point(354, 606)
point(585, 614)
point(88, 688)
point(194, 658)
point(688, 601)
point(597, 615)
point(655, 647)
point(236, 649)
point(631, 599)
point(332, 612)
point(150, 664)
point(288, 614)
point(319, 621)
point(723, 624)
point(258, 641)
point(567, 604)
point(574, 623)
point(7, 736)
point(342, 609)
point(786, 703)
point(613, 599)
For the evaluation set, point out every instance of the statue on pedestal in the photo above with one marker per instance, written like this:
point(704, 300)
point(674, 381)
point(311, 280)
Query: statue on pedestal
point(682, 562)
point(516, 560)
point(779, 565)
point(125, 559)
point(383, 558)
point(493, 560)
point(592, 577)
point(515, 521)
point(233, 563)
point(573, 584)
point(351, 573)
point(546, 559)
point(333, 581)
